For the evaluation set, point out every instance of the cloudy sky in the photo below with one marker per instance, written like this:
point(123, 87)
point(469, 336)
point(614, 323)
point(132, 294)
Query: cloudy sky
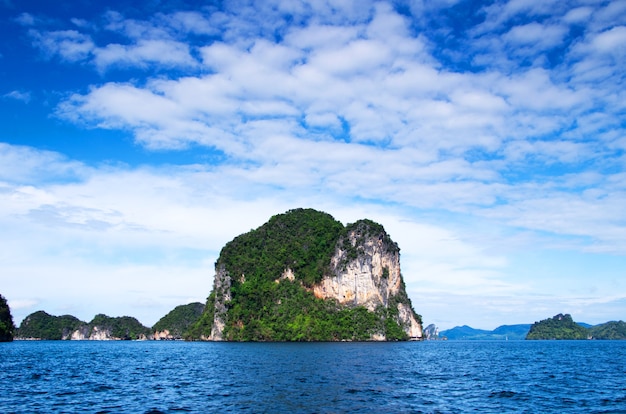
point(487, 137)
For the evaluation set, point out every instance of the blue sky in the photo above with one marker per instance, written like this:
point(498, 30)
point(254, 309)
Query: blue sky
point(137, 138)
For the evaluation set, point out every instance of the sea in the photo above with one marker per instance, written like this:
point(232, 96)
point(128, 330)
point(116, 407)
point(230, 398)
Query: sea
point(349, 377)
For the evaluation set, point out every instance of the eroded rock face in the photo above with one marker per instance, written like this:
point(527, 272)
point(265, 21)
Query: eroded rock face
point(368, 280)
point(85, 333)
point(221, 288)
point(371, 279)
point(163, 335)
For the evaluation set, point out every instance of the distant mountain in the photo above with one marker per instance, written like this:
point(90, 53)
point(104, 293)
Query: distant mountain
point(504, 332)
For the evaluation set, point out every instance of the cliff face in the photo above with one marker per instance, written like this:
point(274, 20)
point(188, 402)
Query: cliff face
point(362, 271)
point(222, 293)
point(371, 279)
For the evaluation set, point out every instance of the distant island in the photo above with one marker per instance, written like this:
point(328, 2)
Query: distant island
point(43, 326)
point(563, 327)
point(503, 332)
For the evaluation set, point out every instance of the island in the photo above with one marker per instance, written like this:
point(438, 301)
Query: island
point(42, 326)
point(304, 276)
point(562, 326)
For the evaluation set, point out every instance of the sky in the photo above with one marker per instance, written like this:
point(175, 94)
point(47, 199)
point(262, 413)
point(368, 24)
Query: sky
point(487, 137)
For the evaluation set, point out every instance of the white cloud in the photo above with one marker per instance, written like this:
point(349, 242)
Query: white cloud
point(578, 15)
point(165, 53)
point(70, 45)
point(536, 36)
point(18, 95)
point(611, 41)
point(26, 19)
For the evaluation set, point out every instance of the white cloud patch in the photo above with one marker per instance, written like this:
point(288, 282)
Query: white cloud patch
point(18, 96)
point(70, 45)
point(536, 35)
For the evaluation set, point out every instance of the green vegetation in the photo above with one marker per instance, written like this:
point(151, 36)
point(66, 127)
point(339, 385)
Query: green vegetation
point(609, 330)
point(123, 327)
point(41, 325)
point(178, 321)
point(559, 327)
point(302, 240)
point(266, 307)
point(7, 328)
point(286, 311)
point(203, 325)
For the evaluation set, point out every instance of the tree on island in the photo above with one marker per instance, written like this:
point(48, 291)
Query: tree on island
point(7, 328)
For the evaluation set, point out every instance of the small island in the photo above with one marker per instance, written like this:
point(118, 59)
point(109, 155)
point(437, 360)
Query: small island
point(42, 326)
point(303, 276)
point(562, 326)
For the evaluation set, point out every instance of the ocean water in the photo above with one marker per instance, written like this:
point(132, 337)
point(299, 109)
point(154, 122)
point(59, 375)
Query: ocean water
point(429, 377)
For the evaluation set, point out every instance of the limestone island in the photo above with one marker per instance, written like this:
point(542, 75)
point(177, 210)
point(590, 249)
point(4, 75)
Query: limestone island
point(304, 276)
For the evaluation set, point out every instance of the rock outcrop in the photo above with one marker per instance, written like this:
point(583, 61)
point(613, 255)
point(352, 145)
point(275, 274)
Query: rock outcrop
point(431, 332)
point(357, 275)
point(369, 278)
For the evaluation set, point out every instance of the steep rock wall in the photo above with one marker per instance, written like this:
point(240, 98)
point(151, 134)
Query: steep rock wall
point(221, 289)
point(365, 271)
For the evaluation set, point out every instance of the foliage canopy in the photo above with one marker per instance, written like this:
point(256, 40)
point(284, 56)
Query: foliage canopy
point(179, 319)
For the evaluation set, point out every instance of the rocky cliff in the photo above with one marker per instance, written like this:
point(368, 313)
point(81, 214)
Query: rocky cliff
point(365, 271)
point(304, 276)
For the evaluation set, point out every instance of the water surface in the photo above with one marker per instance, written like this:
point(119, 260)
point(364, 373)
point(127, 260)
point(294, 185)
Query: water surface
point(430, 377)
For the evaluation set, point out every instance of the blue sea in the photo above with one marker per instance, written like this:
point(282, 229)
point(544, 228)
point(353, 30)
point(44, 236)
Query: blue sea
point(428, 377)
